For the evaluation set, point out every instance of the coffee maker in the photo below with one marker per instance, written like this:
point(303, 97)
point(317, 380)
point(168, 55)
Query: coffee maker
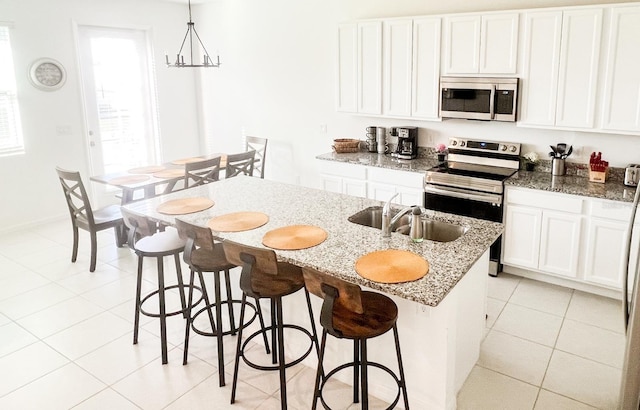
point(407, 147)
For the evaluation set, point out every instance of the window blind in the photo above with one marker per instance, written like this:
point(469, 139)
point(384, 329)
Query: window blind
point(10, 131)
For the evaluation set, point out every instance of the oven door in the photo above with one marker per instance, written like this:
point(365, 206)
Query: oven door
point(472, 204)
point(467, 100)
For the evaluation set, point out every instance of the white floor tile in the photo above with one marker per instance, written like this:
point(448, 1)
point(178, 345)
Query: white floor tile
point(28, 364)
point(43, 256)
point(596, 310)
point(9, 268)
point(583, 380)
point(548, 400)
point(86, 281)
point(113, 293)
point(63, 268)
point(591, 342)
point(107, 399)
point(87, 336)
point(529, 324)
point(121, 357)
point(14, 337)
point(4, 319)
point(60, 389)
point(154, 386)
point(494, 308)
point(21, 282)
point(515, 357)
point(34, 300)
point(59, 317)
point(542, 296)
point(489, 390)
point(502, 286)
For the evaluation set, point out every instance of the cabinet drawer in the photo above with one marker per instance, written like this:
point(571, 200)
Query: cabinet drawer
point(545, 200)
point(343, 169)
point(615, 210)
point(397, 178)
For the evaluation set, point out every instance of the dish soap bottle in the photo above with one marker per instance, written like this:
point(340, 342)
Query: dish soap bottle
point(416, 225)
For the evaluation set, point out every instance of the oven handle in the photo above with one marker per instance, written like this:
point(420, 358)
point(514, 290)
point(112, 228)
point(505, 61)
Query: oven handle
point(492, 102)
point(458, 193)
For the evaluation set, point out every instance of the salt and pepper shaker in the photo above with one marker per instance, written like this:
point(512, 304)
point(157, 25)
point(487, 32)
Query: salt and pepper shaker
point(416, 225)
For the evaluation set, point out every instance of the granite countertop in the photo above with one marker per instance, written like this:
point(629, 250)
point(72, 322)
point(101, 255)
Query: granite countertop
point(574, 183)
point(346, 242)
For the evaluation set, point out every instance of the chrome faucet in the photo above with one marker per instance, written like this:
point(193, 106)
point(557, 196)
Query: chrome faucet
point(400, 214)
point(386, 218)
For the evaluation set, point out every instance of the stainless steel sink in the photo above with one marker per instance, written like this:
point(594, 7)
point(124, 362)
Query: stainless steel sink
point(431, 229)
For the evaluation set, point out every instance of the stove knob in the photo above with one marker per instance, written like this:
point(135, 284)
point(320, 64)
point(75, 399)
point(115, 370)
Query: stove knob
point(454, 143)
point(462, 143)
point(503, 147)
point(513, 148)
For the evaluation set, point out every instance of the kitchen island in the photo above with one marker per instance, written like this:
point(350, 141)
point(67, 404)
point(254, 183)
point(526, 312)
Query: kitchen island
point(441, 316)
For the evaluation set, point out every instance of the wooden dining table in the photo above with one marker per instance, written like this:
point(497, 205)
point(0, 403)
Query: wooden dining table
point(146, 179)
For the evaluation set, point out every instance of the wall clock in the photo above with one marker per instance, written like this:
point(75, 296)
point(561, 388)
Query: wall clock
point(47, 74)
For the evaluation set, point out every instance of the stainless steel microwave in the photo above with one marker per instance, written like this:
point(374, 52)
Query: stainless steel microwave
point(489, 99)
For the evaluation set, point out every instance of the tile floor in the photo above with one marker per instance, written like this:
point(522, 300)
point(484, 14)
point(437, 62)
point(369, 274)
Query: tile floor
point(65, 342)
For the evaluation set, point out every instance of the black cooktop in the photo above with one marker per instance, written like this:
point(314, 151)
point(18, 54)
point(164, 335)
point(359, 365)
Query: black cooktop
point(473, 171)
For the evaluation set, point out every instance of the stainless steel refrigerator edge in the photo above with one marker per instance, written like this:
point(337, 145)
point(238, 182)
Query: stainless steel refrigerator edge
point(630, 386)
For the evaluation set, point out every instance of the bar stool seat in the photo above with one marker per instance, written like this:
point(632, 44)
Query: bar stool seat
point(263, 276)
point(350, 313)
point(148, 243)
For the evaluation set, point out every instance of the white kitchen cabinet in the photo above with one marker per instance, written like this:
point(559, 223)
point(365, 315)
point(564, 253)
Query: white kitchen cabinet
point(426, 68)
point(621, 102)
point(606, 241)
point(359, 70)
point(578, 71)
point(485, 44)
point(542, 231)
point(383, 183)
point(343, 178)
point(398, 50)
point(541, 55)
point(561, 51)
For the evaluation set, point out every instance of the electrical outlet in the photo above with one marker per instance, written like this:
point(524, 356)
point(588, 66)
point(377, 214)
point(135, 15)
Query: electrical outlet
point(323, 128)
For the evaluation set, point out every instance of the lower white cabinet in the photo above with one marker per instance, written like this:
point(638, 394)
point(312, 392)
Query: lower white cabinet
point(581, 239)
point(372, 182)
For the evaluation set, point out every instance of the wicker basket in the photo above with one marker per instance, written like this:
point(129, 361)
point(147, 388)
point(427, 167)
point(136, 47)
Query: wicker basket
point(343, 145)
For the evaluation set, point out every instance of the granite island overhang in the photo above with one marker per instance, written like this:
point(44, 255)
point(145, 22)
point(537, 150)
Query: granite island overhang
point(441, 316)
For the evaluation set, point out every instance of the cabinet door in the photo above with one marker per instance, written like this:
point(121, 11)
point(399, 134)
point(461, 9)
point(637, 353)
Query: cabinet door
point(499, 44)
point(462, 44)
point(606, 241)
point(521, 241)
point(397, 62)
point(621, 103)
point(541, 55)
point(331, 183)
point(347, 70)
point(381, 191)
point(409, 196)
point(578, 72)
point(560, 243)
point(426, 68)
point(354, 187)
point(370, 67)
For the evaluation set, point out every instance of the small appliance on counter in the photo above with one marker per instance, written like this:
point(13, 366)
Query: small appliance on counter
point(407, 147)
point(632, 175)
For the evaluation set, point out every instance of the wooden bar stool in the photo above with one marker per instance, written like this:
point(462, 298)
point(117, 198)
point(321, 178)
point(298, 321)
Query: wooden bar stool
point(263, 277)
point(148, 242)
point(203, 254)
point(350, 313)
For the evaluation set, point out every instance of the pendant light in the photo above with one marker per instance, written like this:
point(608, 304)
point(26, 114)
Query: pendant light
point(191, 32)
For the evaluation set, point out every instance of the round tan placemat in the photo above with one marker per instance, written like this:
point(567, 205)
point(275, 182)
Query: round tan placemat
point(146, 170)
point(169, 173)
point(238, 221)
point(186, 160)
point(184, 206)
point(129, 179)
point(392, 266)
point(294, 237)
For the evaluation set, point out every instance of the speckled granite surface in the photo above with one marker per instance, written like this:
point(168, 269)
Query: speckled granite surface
point(290, 205)
point(576, 182)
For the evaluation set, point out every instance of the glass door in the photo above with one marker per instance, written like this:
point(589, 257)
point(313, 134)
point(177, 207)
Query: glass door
point(119, 102)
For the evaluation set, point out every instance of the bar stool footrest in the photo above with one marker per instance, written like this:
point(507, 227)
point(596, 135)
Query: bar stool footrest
point(275, 367)
point(175, 312)
point(224, 333)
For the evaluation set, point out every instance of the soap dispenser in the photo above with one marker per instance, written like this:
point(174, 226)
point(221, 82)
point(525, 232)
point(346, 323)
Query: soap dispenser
point(416, 225)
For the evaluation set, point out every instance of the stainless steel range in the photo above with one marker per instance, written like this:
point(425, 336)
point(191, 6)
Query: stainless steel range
point(471, 183)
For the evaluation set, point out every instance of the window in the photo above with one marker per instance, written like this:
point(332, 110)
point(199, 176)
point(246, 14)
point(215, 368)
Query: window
point(10, 130)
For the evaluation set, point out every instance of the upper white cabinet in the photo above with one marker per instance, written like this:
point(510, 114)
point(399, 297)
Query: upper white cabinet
point(621, 101)
point(485, 44)
point(359, 82)
point(561, 53)
point(426, 68)
point(397, 35)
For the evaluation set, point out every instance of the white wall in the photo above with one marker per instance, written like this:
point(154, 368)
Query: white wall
point(29, 187)
point(277, 81)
